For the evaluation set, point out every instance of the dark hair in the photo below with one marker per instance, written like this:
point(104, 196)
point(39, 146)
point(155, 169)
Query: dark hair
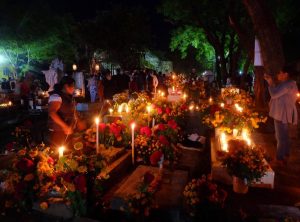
point(288, 69)
point(66, 80)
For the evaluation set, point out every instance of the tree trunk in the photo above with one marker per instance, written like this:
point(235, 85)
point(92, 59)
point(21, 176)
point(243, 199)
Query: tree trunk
point(267, 32)
point(259, 87)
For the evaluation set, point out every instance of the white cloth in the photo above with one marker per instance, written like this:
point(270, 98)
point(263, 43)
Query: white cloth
point(55, 98)
point(51, 78)
point(283, 102)
point(57, 64)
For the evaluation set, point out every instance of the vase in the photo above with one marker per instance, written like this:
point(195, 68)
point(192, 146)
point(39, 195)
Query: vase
point(239, 185)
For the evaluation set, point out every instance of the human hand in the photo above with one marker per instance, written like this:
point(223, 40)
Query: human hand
point(68, 130)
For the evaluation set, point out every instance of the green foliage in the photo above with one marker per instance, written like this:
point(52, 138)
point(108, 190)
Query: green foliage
point(188, 36)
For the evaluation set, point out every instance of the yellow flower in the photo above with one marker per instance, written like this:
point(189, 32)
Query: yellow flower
point(33, 153)
point(44, 205)
point(22, 152)
point(29, 177)
point(82, 169)
point(73, 164)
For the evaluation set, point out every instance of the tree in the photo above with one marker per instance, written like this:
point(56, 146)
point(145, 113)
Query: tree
point(32, 34)
point(211, 16)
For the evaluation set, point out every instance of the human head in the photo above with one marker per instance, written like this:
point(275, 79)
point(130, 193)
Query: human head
point(108, 75)
point(283, 74)
point(193, 70)
point(67, 85)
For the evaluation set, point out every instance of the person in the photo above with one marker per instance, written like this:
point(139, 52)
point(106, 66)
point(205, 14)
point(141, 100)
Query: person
point(124, 80)
point(283, 110)
point(93, 87)
point(108, 86)
point(62, 118)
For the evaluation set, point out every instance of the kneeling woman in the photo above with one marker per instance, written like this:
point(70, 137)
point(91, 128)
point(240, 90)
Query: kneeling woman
point(63, 118)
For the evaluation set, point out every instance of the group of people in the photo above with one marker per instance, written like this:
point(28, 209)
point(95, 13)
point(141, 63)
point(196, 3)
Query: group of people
point(105, 85)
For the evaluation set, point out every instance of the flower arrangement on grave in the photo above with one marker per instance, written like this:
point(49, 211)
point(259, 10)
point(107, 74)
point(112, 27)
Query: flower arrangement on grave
point(232, 117)
point(163, 139)
point(110, 134)
point(195, 89)
point(176, 81)
point(37, 176)
point(121, 98)
point(244, 162)
point(32, 174)
point(142, 201)
point(203, 193)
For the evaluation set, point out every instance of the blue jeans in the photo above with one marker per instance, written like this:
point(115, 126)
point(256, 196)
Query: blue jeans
point(282, 137)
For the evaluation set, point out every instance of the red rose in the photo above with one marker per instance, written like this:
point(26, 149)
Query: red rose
point(161, 127)
point(148, 178)
point(168, 110)
point(80, 183)
point(146, 131)
point(50, 161)
point(155, 157)
point(159, 110)
point(26, 165)
point(172, 124)
point(184, 107)
point(163, 140)
point(101, 127)
point(115, 129)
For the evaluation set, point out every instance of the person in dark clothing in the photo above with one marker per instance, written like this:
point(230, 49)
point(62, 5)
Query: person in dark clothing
point(109, 86)
point(124, 81)
point(141, 81)
point(149, 80)
point(62, 119)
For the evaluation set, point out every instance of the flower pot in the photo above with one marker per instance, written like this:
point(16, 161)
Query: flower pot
point(239, 185)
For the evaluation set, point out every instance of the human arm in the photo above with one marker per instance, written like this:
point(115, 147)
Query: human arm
point(53, 108)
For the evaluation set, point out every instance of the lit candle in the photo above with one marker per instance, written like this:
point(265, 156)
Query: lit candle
point(223, 140)
point(184, 97)
point(173, 77)
point(61, 152)
point(173, 89)
point(153, 122)
point(120, 109)
point(74, 67)
point(238, 108)
point(222, 105)
point(110, 111)
point(97, 121)
point(127, 109)
point(298, 95)
point(191, 107)
point(132, 141)
point(97, 67)
point(162, 94)
point(235, 132)
point(9, 103)
point(210, 100)
point(149, 113)
point(245, 136)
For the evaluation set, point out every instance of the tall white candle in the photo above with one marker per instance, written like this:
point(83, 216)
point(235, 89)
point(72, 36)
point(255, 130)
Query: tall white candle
point(132, 141)
point(61, 151)
point(97, 121)
point(153, 122)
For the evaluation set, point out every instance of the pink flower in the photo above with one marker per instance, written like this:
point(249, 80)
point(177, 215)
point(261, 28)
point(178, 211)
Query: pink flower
point(161, 127)
point(163, 140)
point(159, 110)
point(155, 157)
point(102, 127)
point(26, 165)
point(168, 110)
point(172, 124)
point(146, 131)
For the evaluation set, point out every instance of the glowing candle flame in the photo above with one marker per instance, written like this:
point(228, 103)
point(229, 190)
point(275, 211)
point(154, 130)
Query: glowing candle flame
point(111, 111)
point(222, 105)
point(61, 151)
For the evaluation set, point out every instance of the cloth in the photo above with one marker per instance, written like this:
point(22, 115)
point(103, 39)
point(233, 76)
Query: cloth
point(283, 102)
point(93, 93)
point(57, 64)
point(51, 78)
point(282, 137)
point(55, 98)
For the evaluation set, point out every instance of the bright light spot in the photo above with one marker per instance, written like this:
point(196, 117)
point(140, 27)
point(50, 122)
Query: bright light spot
point(2, 59)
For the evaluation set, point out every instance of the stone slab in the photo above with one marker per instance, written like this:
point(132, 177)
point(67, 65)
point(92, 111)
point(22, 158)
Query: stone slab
point(168, 196)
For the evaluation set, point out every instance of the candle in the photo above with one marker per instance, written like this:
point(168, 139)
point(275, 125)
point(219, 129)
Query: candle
point(245, 136)
point(74, 66)
point(153, 122)
point(298, 95)
point(173, 77)
point(97, 121)
point(191, 107)
point(235, 132)
point(97, 67)
point(173, 89)
point(61, 152)
point(223, 141)
point(238, 108)
point(110, 111)
point(120, 109)
point(127, 109)
point(222, 105)
point(132, 141)
point(184, 97)
point(210, 100)
point(162, 94)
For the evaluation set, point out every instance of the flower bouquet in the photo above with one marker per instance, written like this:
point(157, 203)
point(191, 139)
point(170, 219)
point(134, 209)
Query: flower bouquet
point(244, 163)
point(201, 194)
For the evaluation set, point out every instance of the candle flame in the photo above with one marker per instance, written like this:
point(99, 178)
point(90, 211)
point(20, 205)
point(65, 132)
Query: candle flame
point(222, 105)
point(111, 111)
point(132, 126)
point(97, 120)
